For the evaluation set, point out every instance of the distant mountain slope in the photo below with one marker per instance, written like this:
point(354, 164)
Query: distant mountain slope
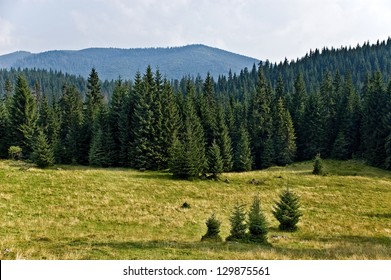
point(110, 63)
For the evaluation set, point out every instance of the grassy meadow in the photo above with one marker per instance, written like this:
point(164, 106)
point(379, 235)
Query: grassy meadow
point(74, 212)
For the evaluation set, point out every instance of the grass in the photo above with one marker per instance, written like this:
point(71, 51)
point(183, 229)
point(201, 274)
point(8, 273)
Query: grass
point(74, 212)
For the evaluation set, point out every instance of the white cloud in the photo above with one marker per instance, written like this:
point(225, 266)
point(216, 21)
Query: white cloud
point(263, 29)
point(6, 40)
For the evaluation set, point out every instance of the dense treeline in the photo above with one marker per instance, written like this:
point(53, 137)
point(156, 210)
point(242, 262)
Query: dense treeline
point(198, 126)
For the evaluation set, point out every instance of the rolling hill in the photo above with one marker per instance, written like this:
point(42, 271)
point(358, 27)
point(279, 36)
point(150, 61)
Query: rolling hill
point(174, 63)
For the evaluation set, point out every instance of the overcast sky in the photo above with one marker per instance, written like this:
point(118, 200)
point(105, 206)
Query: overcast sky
point(263, 29)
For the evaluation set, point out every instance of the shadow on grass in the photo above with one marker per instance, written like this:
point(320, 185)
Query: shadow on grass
point(379, 215)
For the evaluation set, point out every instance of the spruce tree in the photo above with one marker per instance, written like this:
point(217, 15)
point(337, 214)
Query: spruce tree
point(215, 160)
point(23, 117)
point(242, 159)
point(42, 154)
point(257, 224)
point(318, 166)
point(94, 101)
point(223, 140)
point(213, 229)
point(284, 135)
point(238, 224)
point(67, 147)
point(287, 211)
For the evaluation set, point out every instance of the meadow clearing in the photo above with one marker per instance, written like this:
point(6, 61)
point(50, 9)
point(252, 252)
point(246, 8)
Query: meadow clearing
point(77, 212)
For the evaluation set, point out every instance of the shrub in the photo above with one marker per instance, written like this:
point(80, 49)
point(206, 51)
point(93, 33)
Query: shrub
point(286, 211)
point(15, 152)
point(213, 225)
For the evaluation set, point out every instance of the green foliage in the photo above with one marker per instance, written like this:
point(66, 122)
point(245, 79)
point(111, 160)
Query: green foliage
point(213, 230)
point(318, 166)
point(23, 117)
point(15, 152)
point(242, 159)
point(257, 224)
point(238, 224)
point(42, 152)
point(215, 161)
point(286, 211)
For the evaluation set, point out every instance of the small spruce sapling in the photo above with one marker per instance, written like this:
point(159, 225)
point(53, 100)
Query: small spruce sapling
point(238, 224)
point(318, 166)
point(286, 211)
point(257, 223)
point(213, 225)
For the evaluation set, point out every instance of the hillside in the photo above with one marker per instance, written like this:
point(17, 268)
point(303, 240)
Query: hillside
point(174, 63)
point(76, 212)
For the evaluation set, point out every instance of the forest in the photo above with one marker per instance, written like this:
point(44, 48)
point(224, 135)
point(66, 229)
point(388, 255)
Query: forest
point(334, 103)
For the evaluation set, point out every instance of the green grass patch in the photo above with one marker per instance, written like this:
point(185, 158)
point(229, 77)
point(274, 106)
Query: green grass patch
point(75, 212)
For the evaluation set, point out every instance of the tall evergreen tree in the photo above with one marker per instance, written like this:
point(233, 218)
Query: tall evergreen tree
point(284, 135)
point(374, 130)
point(313, 132)
point(215, 161)
point(23, 117)
point(94, 101)
point(223, 140)
point(67, 147)
point(297, 110)
point(261, 124)
point(242, 159)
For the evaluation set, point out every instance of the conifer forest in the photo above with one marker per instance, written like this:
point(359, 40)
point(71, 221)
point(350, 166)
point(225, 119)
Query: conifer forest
point(335, 103)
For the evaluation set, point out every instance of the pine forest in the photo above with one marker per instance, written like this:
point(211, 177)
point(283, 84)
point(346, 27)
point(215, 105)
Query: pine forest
point(335, 103)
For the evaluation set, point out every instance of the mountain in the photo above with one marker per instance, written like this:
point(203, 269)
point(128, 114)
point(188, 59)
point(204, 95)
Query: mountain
point(174, 63)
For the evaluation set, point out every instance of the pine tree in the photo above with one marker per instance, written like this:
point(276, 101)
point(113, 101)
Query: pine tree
point(187, 154)
point(238, 224)
point(257, 224)
point(42, 154)
point(297, 111)
point(374, 129)
point(94, 101)
point(313, 131)
point(144, 142)
point(261, 124)
point(284, 135)
point(215, 160)
point(4, 129)
point(242, 159)
point(223, 140)
point(171, 122)
point(23, 117)
point(213, 229)
point(118, 101)
point(67, 147)
point(286, 211)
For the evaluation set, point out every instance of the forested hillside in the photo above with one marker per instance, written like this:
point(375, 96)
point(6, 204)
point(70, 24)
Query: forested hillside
point(174, 63)
point(335, 103)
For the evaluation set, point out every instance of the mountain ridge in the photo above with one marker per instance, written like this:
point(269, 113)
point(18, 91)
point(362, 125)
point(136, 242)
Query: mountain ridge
point(173, 62)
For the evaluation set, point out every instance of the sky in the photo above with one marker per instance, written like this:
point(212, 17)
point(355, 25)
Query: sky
point(263, 29)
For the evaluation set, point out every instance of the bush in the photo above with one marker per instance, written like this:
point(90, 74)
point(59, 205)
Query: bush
point(287, 212)
point(257, 224)
point(15, 152)
point(213, 231)
point(318, 166)
point(238, 224)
